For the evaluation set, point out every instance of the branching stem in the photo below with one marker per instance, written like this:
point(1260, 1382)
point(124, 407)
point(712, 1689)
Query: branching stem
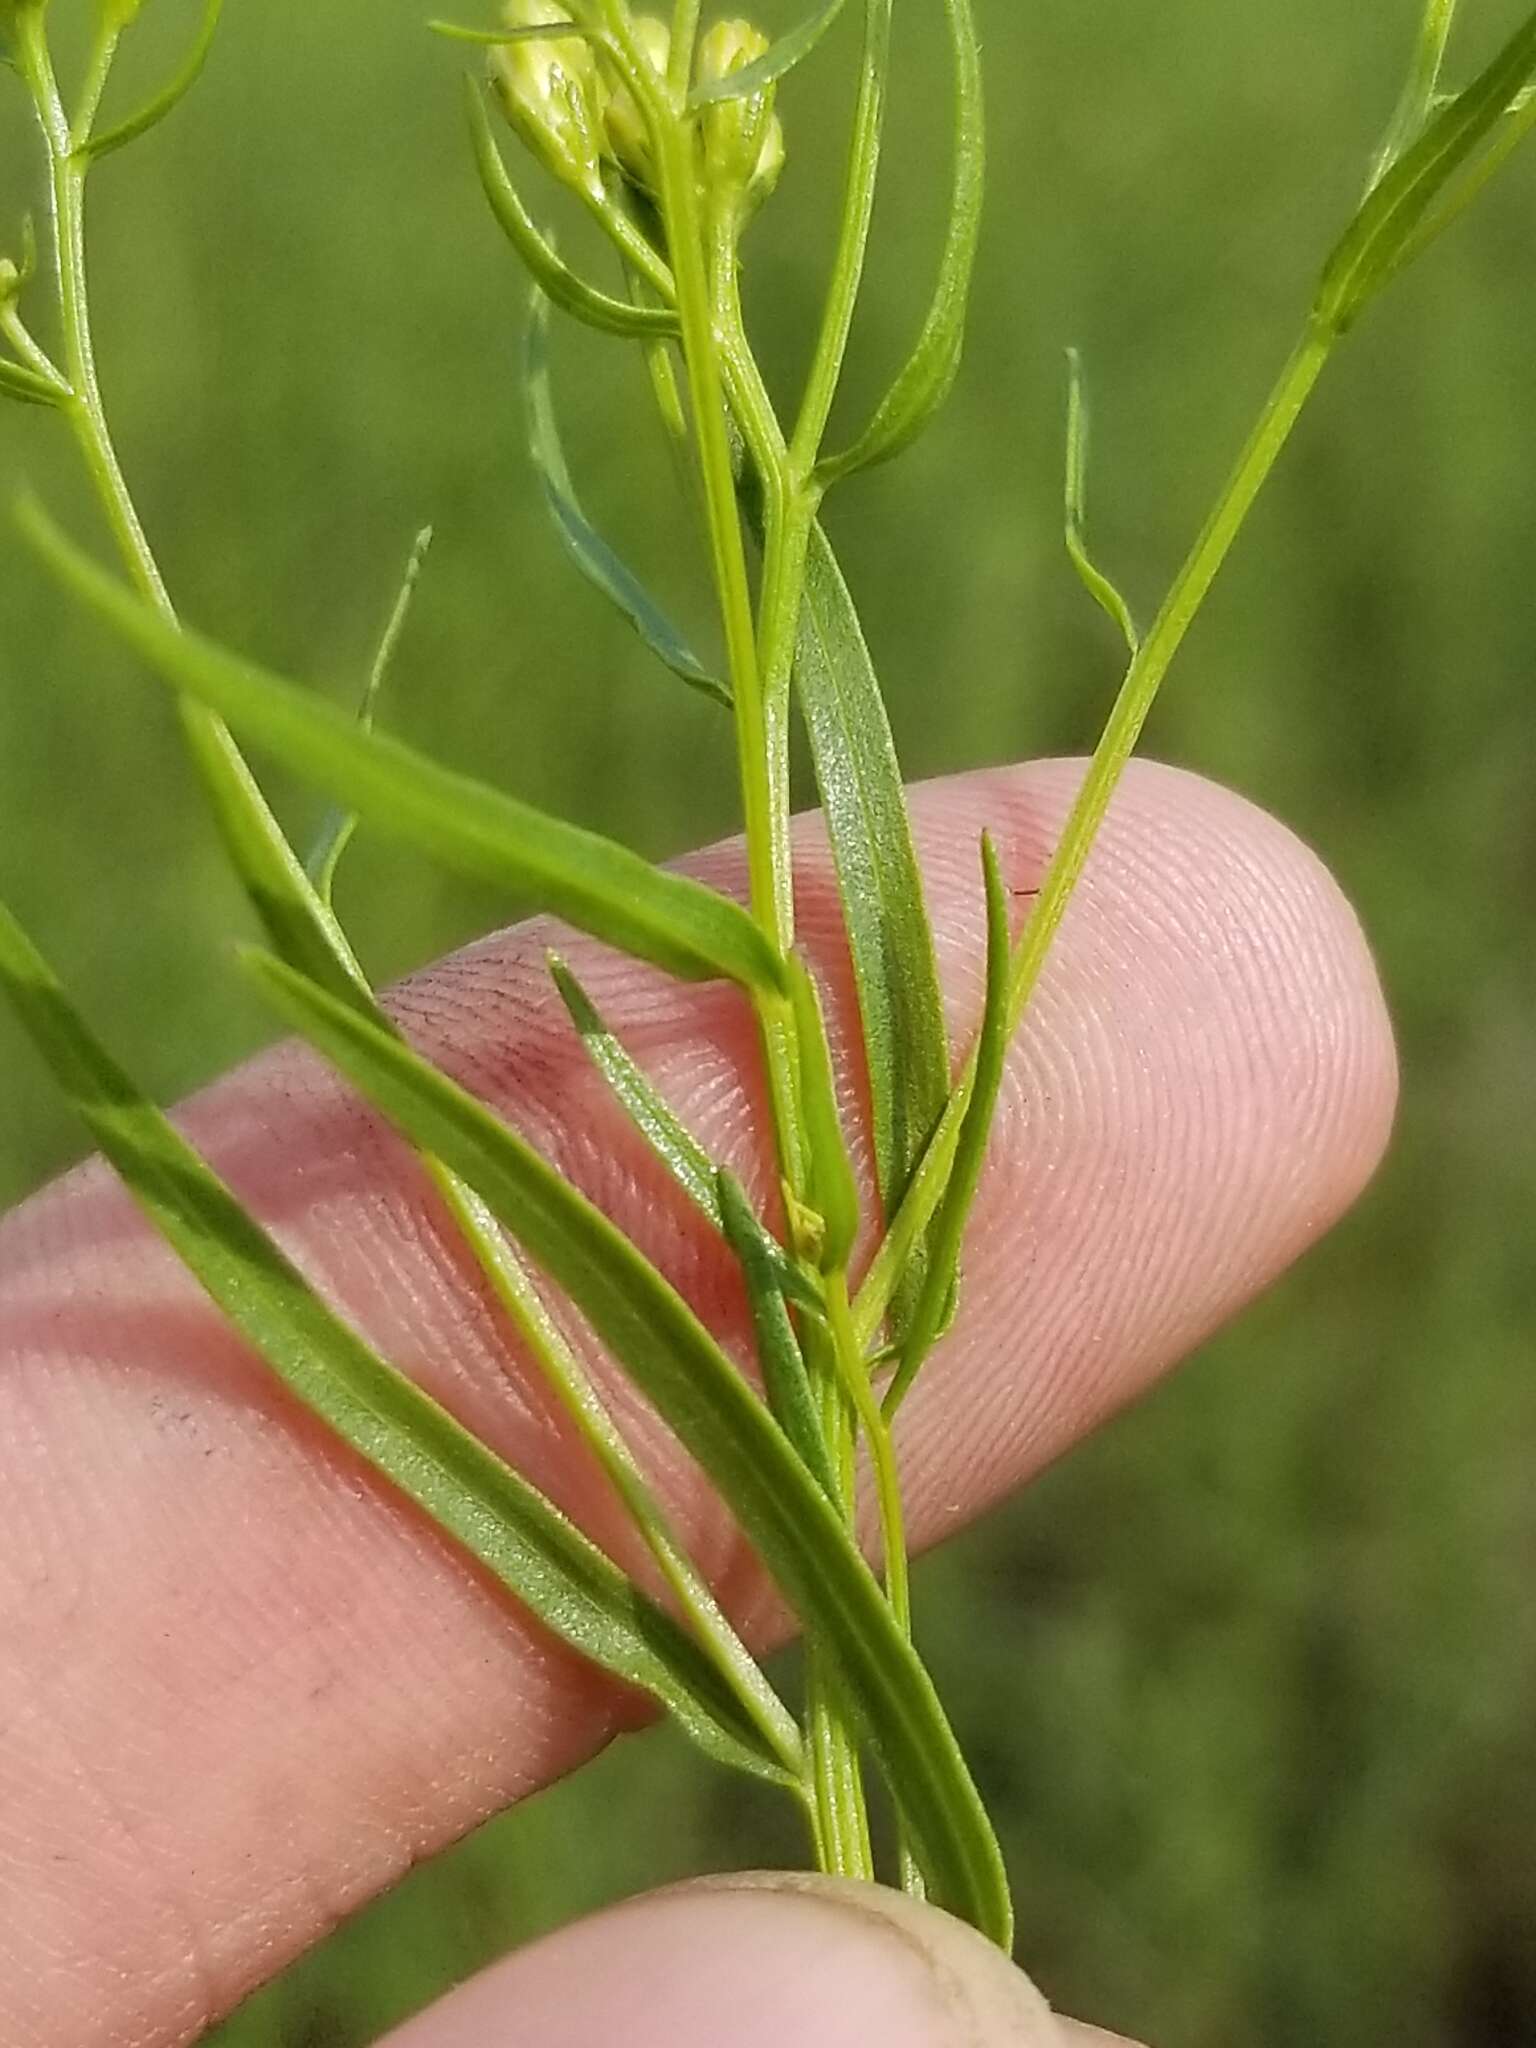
point(237, 797)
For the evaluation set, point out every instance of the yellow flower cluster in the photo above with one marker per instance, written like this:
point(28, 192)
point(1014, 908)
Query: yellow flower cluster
point(583, 122)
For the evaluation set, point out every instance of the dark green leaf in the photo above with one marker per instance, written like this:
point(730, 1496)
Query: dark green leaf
point(509, 1527)
point(604, 888)
point(891, 942)
point(680, 1368)
point(663, 1130)
point(592, 555)
point(935, 1303)
point(339, 826)
point(792, 48)
point(667, 1135)
point(929, 374)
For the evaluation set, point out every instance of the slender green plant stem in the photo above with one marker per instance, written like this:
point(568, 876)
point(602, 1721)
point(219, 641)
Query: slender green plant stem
point(789, 511)
point(765, 804)
point(846, 1396)
point(767, 833)
point(697, 267)
point(842, 1835)
point(224, 767)
point(67, 176)
point(843, 1838)
point(853, 1376)
point(860, 1398)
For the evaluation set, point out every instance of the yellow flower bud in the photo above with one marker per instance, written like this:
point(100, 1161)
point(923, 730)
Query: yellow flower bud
point(742, 140)
point(628, 136)
point(549, 90)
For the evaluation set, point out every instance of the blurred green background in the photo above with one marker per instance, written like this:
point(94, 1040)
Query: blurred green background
point(1249, 1680)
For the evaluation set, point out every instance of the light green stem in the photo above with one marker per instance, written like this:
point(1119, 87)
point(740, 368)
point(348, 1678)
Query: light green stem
point(237, 799)
point(789, 511)
point(236, 793)
point(843, 1838)
point(853, 1377)
point(765, 803)
point(697, 267)
point(770, 876)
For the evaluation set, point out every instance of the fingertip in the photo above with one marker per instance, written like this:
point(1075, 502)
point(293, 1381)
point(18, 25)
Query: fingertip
point(751, 1962)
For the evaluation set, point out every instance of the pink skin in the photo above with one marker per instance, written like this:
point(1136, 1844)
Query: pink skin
point(243, 1687)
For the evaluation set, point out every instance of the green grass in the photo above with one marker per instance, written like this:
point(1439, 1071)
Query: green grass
point(1265, 1770)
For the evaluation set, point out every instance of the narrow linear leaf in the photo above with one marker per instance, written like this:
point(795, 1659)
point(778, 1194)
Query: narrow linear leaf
point(670, 920)
point(889, 936)
point(928, 376)
point(538, 254)
point(668, 1136)
point(494, 1513)
point(595, 559)
point(663, 1130)
point(339, 826)
point(1369, 253)
point(792, 48)
point(1094, 581)
point(935, 1304)
point(169, 99)
point(786, 1381)
point(832, 1189)
point(683, 1372)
